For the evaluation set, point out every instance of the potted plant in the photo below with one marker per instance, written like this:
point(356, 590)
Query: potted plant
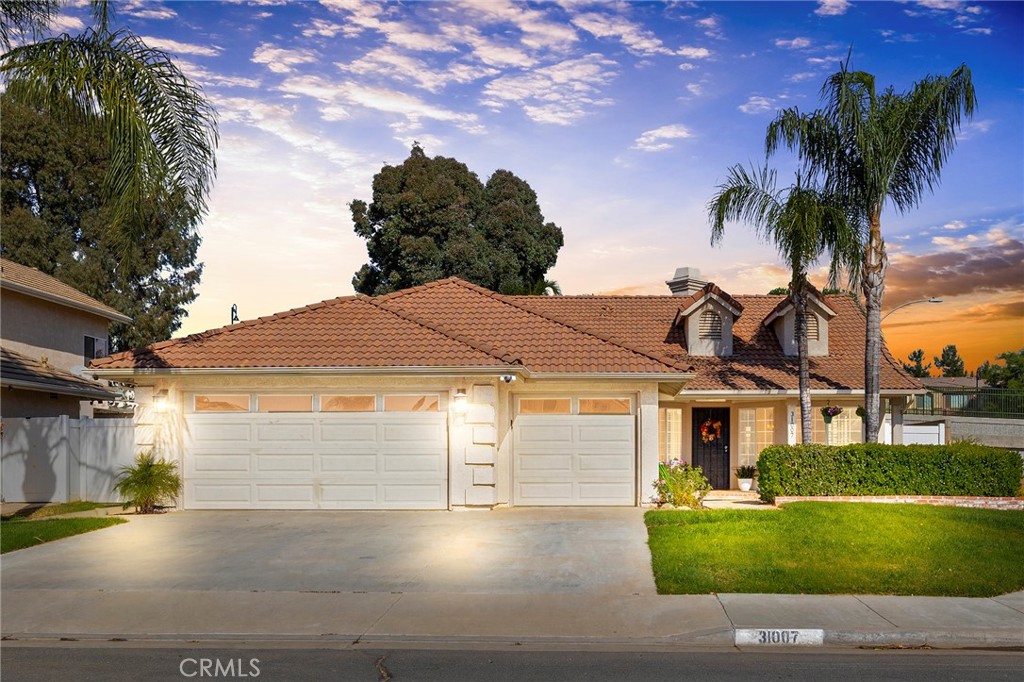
point(830, 411)
point(745, 475)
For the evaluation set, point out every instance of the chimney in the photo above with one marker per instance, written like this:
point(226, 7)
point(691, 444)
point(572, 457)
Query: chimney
point(686, 281)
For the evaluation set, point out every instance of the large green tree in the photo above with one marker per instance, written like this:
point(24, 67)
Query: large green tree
point(160, 131)
point(1010, 374)
point(431, 218)
point(950, 362)
point(803, 224)
point(55, 219)
point(916, 366)
point(877, 149)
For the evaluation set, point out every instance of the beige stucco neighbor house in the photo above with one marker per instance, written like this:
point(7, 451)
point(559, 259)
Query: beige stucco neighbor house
point(448, 395)
point(48, 333)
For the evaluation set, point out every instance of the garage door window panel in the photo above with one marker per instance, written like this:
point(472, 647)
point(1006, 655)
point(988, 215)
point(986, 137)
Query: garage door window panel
point(606, 406)
point(284, 403)
point(348, 403)
point(412, 403)
point(545, 406)
point(218, 402)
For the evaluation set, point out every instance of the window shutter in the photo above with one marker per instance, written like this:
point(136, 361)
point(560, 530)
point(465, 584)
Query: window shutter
point(710, 325)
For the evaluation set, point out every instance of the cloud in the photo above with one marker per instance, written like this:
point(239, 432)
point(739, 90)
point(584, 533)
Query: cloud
point(281, 60)
point(637, 40)
point(954, 225)
point(181, 48)
point(971, 264)
point(711, 25)
point(973, 128)
point(359, 17)
point(757, 105)
point(387, 61)
point(559, 94)
point(652, 140)
point(537, 31)
point(204, 76)
point(63, 23)
point(832, 8)
point(801, 77)
point(143, 9)
point(980, 31)
point(797, 43)
point(695, 89)
point(687, 66)
point(338, 98)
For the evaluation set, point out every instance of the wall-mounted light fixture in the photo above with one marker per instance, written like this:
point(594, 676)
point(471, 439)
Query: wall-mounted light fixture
point(160, 401)
point(461, 401)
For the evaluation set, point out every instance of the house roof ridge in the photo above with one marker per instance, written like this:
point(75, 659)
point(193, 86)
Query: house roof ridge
point(228, 328)
point(38, 284)
point(495, 352)
point(665, 360)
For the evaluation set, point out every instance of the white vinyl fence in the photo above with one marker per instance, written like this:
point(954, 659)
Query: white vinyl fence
point(57, 459)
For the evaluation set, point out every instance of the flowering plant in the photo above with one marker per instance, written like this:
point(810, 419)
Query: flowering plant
point(710, 430)
point(680, 485)
point(831, 410)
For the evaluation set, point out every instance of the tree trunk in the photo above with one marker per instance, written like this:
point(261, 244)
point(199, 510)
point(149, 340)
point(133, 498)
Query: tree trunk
point(798, 295)
point(873, 285)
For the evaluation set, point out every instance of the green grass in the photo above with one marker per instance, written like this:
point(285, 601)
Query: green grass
point(837, 548)
point(21, 534)
point(48, 510)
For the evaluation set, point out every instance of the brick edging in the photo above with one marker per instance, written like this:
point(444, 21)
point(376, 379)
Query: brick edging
point(1011, 503)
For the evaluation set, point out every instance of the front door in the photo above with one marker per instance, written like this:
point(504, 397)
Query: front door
point(711, 444)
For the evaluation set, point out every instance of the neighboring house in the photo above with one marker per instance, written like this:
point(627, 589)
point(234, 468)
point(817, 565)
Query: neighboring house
point(49, 332)
point(449, 395)
point(966, 408)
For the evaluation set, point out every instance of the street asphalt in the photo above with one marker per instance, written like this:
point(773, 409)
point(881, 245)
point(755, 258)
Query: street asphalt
point(560, 577)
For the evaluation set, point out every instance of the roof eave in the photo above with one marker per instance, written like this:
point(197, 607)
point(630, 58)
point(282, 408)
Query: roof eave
point(454, 370)
point(772, 392)
point(42, 387)
point(60, 300)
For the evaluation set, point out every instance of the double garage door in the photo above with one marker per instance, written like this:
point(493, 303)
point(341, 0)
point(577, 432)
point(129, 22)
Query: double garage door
point(314, 460)
point(567, 451)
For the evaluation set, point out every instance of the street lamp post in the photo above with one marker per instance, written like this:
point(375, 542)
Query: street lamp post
point(904, 305)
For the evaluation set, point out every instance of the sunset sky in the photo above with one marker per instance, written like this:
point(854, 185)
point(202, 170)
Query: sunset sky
point(622, 116)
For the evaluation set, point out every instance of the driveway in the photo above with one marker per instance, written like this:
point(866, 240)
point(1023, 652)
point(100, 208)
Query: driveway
point(511, 551)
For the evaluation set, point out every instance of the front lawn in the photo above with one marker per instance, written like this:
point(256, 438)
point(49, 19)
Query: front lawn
point(20, 534)
point(839, 548)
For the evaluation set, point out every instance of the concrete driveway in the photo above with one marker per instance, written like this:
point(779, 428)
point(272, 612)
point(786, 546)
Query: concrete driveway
point(511, 551)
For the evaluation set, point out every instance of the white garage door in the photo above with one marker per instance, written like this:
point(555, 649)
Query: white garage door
point(367, 460)
point(567, 458)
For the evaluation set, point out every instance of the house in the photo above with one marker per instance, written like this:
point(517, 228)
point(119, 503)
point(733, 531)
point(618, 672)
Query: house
point(50, 332)
point(448, 395)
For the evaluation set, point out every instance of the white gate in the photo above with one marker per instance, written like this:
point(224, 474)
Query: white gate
point(57, 459)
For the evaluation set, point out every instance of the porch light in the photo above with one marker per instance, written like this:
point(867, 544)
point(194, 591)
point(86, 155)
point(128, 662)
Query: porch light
point(160, 401)
point(461, 401)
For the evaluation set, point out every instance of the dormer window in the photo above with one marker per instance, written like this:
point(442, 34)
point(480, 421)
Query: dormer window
point(706, 317)
point(783, 321)
point(710, 326)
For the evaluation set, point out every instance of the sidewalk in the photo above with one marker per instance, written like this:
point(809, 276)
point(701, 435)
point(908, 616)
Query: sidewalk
point(559, 619)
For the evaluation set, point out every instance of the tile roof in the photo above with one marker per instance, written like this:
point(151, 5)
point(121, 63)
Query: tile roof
point(709, 289)
point(19, 370)
point(451, 323)
point(32, 282)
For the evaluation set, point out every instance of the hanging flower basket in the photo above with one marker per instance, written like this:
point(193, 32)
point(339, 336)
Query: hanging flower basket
point(710, 430)
point(830, 411)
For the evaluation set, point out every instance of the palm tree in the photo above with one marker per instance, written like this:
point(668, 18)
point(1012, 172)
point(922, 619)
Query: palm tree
point(161, 131)
point(875, 149)
point(802, 223)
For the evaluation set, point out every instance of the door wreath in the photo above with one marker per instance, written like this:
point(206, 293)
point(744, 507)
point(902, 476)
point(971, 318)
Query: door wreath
point(710, 430)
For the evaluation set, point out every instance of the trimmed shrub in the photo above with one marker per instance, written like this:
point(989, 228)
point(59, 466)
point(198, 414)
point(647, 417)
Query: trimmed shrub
point(877, 469)
point(681, 485)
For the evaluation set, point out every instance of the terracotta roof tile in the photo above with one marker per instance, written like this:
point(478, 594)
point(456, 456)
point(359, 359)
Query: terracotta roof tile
point(451, 323)
point(708, 289)
point(33, 282)
point(18, 369)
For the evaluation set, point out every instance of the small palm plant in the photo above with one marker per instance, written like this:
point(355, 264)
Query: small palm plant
point(147, 483)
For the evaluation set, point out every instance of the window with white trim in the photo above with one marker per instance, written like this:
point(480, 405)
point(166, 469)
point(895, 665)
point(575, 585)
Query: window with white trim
point(670, 433)
point(545, 406)
point(412, 403)
point(348, 403)
point(266, 402)
point(846, 427)
point(757, 431)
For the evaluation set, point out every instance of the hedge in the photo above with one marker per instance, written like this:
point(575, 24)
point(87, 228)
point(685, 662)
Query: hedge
point(877, 469)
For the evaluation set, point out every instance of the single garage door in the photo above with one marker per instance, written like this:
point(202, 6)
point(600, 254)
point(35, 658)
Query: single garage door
point(322, 459)
point(574, 451)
